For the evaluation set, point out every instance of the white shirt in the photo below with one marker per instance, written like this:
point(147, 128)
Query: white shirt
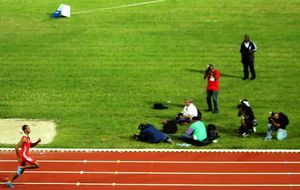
point(246, 44)
point(190, 110)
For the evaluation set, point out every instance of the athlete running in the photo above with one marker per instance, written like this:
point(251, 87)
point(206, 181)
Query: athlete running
point(23, 156)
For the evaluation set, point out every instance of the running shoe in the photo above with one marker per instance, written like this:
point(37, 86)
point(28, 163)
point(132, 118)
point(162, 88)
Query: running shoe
point(9, 185)
point(19, 170)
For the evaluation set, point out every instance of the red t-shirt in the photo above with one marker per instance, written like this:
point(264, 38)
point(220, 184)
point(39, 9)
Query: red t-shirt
point(213, 83)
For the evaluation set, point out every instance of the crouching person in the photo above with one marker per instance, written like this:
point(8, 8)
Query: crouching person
point(248, 121)
point(196, 132)
point(149, 133)
point(277, 122)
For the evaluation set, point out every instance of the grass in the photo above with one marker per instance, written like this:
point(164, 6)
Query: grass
point(98, 74)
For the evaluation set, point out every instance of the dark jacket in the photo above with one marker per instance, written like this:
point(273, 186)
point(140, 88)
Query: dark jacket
point(248, 53)
point(150, 134)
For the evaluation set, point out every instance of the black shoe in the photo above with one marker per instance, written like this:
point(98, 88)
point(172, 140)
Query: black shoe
point(216, 111)
point(245, 78)
point(253, 78)
point(135, 136)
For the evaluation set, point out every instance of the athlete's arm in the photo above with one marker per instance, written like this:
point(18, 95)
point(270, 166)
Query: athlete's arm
point(19, 145)
point(36, 143)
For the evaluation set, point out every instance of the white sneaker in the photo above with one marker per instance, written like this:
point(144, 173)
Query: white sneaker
point(245, 135)
point(170, 141)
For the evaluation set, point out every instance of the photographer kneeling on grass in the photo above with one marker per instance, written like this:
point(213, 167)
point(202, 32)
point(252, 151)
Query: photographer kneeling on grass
point(248, 121)
point(277, 122)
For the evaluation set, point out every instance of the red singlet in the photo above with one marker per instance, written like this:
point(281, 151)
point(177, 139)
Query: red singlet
point(24, 153)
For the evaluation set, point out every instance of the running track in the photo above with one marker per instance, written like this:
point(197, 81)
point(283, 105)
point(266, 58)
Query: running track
point(159, 170)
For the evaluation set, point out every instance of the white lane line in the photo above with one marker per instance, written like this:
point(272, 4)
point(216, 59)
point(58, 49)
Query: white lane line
point(116, 150)
point(161, 162)
point(160, 185)
point(156, 173)
point(117, 7)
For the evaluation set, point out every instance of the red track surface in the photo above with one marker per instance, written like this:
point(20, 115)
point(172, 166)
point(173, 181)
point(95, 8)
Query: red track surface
point(156, 170)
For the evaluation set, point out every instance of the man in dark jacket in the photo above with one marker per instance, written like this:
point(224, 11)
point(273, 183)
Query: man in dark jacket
point(150, 134)
point(247, 50)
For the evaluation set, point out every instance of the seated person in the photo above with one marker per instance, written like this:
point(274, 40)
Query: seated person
point(196, 132)
point(248, 121)
point(150, 134)
point(188, 112)
point(277, 122)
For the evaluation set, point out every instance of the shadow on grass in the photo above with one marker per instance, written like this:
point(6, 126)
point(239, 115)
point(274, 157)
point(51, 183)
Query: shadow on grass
point(227, 130)
point(168, 104)
point(222, 74)
point(260, 134)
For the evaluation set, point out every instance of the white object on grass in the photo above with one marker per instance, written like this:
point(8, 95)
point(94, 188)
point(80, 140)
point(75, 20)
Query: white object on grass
point(65, 10)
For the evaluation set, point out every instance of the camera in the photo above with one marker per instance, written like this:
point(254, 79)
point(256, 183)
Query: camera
point(271, 115)
point(209, 68)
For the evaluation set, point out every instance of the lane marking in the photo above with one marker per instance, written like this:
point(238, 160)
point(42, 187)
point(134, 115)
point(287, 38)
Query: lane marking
point(160, 185)
point(161, 150)
point(161, 162)
point(117, 7)
point(156, 173)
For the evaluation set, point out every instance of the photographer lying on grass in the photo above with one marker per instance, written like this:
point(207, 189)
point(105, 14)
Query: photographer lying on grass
point(148, 133)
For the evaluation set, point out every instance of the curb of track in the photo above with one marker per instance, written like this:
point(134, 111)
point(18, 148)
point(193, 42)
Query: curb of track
point(158, 150)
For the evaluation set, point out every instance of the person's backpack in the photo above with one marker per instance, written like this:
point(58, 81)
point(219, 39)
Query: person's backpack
point(211, 131)
point(212, 134)
point(170, 127)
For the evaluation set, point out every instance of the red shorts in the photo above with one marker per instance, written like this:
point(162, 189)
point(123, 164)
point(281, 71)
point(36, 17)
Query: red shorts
point(27, 159)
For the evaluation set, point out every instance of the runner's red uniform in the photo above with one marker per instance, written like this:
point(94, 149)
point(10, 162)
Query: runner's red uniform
point(24, 153)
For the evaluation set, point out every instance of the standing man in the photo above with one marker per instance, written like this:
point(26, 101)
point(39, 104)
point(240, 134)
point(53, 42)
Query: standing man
point(23, 156)
point(212, 76)
point(247, 50)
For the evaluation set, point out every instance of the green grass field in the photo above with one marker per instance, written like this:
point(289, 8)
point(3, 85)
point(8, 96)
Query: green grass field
point(98, 74)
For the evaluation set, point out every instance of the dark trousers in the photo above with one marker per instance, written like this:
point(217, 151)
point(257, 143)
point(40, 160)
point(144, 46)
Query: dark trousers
point(249, 65)
point(180, 120)
point(212, 94)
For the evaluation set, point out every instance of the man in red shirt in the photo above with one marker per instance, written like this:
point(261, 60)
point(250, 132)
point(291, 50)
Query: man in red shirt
point(212, 76)
point(23, 156)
